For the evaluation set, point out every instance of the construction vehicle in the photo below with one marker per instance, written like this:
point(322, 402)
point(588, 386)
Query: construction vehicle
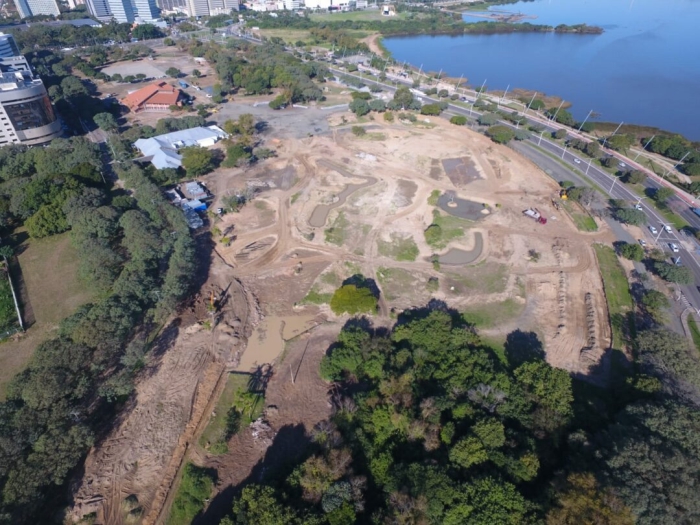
point(563, 195)
point(534, 213)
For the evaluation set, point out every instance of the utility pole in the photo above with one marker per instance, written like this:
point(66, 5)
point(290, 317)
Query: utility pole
point(540, 141)
point(584, 121)
point(589, 165)
point(564, 152)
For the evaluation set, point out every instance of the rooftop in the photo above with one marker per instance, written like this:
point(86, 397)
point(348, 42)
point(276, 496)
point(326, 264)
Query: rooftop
point(164, 148)
point(156, 93)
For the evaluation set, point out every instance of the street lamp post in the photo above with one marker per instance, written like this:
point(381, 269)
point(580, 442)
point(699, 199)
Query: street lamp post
point(540, 141)
point(589, 165)
point(504, 94)
point(564, 152)
point(613, 185)
point(584, 121)
point(645, 147)
point(481, 89)
point(614, 133)
point(531, 101)
point(554, 118)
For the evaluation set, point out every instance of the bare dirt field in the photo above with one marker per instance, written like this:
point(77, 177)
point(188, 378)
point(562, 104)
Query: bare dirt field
point(330, 206)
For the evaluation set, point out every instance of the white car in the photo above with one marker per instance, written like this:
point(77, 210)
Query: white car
point(667, 228)
point(642, 243)
point(674, 247)
point(638, 207)
point(622, 165)
point(653, 230)
point(577, 161)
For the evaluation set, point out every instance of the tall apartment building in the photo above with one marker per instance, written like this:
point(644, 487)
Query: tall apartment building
point(26, 114)
point(8, 46)
point(27, 8)
point(99, 9)
point(173, 6)
point(143, 11)
point(291, 5)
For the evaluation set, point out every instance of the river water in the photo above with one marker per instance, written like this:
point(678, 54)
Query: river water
point(645, 68)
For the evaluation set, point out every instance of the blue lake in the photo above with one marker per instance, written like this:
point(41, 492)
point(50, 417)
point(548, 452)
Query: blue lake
point(645, 68)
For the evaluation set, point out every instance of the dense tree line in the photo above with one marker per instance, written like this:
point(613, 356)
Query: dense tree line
point(432, 426)
point(258, 69)
point(138, 256)
point(424, 22)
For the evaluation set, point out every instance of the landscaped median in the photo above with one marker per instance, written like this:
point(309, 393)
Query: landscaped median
point(617, 293)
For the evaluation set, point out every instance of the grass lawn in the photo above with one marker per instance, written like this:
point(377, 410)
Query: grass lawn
point(617, 293)
point(235, 394)
point(195, 487)
point(8, 315)
point(584, 222)
point(399, 249)
point(694, 331)
point(482, 279)
point(337, 233)
point(448, 229)
point(490, 315)
point(55, 292)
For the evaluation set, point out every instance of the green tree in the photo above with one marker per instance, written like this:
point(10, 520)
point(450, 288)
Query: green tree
point(359, 131)
point(674, 274)
point(630, 216)
point(48, 220)
point(582, 501)
point(560, 134)
point(196, 73)
point(359, 107)
point(106, 121)
point(662, 194)
point(635, 177)
point(173, 72)
point(620, 142)
point(430, 109)
point(632, 251)
point(197, 161)
point(488, 119)
point(403, 98)
point(458, 120)
point(500, 134)
point(259, 504)
point(654, 301)
point(352, 299)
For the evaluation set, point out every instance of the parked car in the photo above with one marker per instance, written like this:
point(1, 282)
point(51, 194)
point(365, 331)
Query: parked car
point(643, 243)
point(653, 230)
point(577, 161)
point(638, 207)
point(667, 228)
point(677, 261)
point(674, 247)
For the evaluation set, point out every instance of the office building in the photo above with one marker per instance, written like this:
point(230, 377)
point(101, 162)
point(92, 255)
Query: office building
point(26, 114)
point(100, 9)
point(291, 5)
point(145, 11)
point(8, 46)
point(27, 8)
point(173, 6)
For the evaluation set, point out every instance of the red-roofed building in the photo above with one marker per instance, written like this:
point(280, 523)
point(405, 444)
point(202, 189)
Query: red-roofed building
point(154, 97)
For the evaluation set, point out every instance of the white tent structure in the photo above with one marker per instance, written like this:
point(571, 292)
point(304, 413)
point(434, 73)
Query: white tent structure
point(162, 151)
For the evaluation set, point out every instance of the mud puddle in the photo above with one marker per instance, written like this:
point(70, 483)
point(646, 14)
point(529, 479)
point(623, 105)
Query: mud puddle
point(267, 341)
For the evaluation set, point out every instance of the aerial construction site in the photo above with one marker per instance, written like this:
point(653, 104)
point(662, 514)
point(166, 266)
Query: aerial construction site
point(426, 211)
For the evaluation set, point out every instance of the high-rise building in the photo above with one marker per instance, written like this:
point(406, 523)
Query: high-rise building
point(27, 8)
point(198, 7)
point(26, 114)
point(223, 7)
point(145, 10)
point(100, 9)
point(173, 6)
point(291, 5)
point(8, 46)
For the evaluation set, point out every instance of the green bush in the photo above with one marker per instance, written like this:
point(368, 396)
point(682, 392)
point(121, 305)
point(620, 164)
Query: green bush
point(458, 120)
point(196, 486)
point(358, 131)
point(500, 134)
point(353, 300)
